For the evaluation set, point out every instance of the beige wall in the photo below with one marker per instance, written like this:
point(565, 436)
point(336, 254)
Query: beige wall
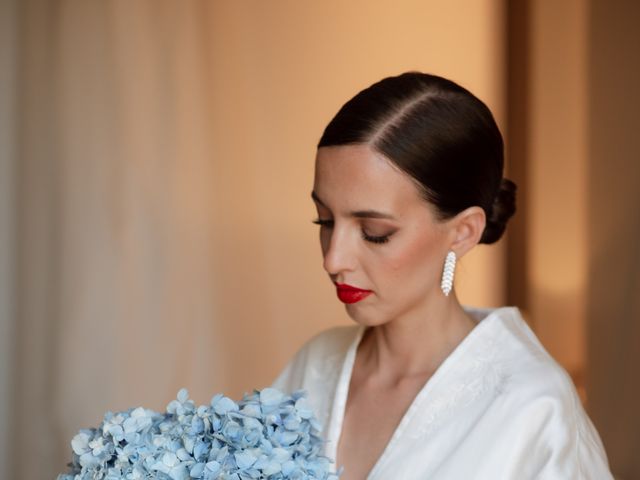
point(557, 178)
point(613, 307)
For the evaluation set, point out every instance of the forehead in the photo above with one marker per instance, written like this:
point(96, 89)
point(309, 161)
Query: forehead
point(355, 176)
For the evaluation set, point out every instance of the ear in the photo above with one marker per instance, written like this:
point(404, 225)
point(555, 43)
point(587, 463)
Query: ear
point(466, 229)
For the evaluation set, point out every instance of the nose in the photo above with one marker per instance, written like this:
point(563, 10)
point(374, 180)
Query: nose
point(338, 252)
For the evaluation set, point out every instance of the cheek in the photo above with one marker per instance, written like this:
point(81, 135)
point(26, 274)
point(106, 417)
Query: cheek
point(417, 261)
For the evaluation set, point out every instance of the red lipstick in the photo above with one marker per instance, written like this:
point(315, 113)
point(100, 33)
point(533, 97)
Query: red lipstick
point(348, 294)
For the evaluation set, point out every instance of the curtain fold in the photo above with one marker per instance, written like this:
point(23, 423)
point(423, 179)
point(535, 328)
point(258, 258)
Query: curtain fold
point(113, 221)
point(8, 108)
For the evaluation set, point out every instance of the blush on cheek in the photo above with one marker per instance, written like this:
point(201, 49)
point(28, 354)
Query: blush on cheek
point(416, 252)
point(417, 260)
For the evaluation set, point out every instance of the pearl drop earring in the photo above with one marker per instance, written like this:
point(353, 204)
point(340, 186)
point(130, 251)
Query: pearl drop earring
point(447, 274)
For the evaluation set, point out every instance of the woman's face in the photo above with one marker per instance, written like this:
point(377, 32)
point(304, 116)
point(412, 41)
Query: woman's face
point(377, 234)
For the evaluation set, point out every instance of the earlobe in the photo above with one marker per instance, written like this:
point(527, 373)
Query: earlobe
point(468, 227)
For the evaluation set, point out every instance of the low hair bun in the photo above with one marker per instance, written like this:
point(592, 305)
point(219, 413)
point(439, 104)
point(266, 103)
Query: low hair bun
point(502, 209)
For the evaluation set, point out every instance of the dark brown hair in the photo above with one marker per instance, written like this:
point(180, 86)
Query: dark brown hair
point(439, 134)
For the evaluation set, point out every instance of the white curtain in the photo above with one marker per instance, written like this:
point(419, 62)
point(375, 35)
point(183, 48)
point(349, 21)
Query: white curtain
point(113, 194)
point(8, 59)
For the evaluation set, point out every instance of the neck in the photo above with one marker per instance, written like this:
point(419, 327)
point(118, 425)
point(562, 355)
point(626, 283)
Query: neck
point(416, 344)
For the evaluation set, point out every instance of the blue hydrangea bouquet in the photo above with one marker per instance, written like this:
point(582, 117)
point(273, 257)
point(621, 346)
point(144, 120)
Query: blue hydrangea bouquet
point(267, 435)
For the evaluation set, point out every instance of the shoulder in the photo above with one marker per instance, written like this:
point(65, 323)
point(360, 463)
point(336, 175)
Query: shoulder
point(539, 404)
point(320, 357)
point(531, 370)
point(335, 340)
point(528, 374)
point(316, 368)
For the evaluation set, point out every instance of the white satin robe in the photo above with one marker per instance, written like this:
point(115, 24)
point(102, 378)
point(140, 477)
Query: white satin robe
point(499, 407)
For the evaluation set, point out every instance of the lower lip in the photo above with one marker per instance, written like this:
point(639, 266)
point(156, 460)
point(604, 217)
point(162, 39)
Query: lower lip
point(352, 296)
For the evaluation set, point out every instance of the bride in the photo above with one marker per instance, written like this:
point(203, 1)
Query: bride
point(408, 179)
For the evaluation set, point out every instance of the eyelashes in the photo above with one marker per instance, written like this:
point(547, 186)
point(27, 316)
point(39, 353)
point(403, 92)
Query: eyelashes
point(374, 239)
point(369, 238)
point(323, 223)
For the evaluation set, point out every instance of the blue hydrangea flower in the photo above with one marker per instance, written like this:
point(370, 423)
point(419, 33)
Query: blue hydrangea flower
point(267, 435)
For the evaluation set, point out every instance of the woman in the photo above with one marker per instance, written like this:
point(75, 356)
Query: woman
point(408, 178)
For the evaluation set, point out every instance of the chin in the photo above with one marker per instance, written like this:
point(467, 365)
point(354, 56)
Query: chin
point(368, 317)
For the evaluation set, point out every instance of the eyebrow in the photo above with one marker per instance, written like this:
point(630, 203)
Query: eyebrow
point(358, 213)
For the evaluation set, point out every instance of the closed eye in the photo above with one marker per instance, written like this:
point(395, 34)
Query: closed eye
point(369, 238)
point(323, 223)
point(376, 239)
